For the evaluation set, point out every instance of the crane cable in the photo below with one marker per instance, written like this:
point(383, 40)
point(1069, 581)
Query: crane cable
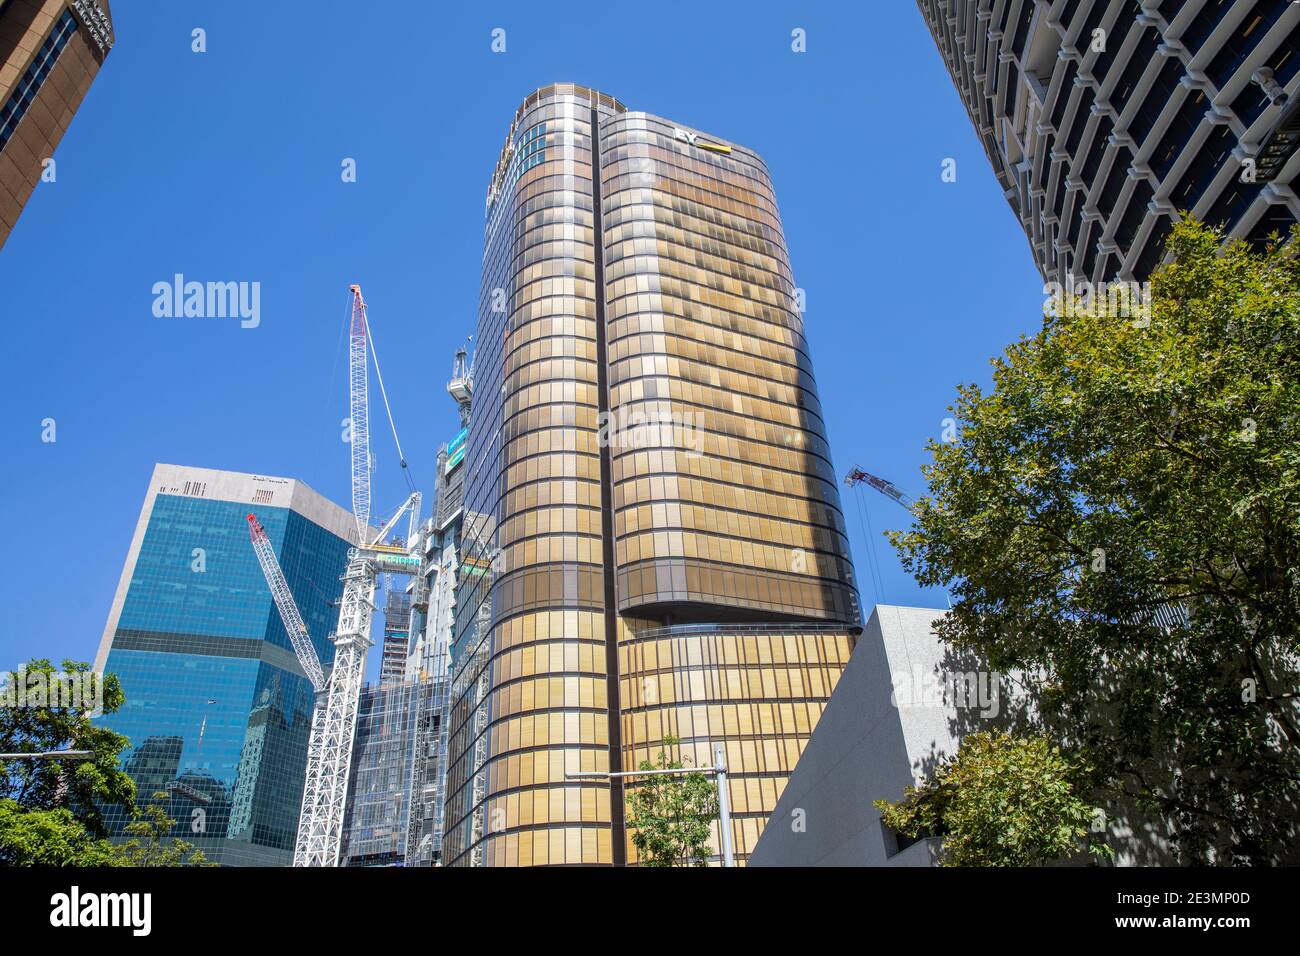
point(871, 551)
point(869, 535)
point(370, 337)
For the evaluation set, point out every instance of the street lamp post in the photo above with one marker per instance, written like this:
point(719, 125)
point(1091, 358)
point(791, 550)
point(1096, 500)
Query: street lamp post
point(724, 804)
point(61, 792)
point(719, 771)
point(52, 755)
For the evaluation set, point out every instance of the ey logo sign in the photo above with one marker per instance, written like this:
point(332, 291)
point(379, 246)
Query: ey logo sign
point(686, 136)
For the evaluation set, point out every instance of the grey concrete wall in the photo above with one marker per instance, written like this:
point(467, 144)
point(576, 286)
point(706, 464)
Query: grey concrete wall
point(866, 748)
point(895, 714)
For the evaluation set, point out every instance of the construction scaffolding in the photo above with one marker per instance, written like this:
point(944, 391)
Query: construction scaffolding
point(379, 799)
point(397, 637)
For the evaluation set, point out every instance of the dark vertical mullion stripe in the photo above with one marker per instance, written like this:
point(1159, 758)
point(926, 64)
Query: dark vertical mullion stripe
point(618, 837)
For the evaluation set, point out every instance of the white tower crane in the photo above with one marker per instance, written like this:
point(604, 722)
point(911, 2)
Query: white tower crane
point(334, 721)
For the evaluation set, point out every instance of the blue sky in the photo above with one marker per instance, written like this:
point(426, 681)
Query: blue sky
point(225, 165)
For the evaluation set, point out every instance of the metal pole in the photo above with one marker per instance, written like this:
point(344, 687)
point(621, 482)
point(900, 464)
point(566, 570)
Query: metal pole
point(61, 788)
point(52, 755)
point(724, 805)
point(719, 768)
point(602, 775)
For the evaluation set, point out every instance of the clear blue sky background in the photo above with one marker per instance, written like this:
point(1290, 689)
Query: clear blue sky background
point(225, 166)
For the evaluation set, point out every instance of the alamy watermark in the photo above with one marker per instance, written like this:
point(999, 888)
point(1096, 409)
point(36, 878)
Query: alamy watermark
point(635, 429)
point(208, 300)
point(75, 908)
point(963, 690)
point(1128, 300)
point(76, 690)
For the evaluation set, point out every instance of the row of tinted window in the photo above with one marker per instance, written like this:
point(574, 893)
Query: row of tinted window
point(34, 76)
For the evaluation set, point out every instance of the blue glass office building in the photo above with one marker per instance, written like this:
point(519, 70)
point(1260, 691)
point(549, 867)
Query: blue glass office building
point(217, 708)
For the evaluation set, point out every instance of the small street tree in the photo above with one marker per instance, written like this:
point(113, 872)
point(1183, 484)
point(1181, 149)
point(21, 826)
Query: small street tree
point(51, 810)
point(672, 814)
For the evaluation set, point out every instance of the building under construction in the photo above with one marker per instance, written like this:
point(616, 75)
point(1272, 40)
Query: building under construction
point(395, 800)
point(379, 799)
point(432, 627)
point(397, 637)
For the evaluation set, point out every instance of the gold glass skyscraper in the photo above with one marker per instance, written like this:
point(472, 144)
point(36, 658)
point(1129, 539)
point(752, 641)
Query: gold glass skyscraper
point(654, 544)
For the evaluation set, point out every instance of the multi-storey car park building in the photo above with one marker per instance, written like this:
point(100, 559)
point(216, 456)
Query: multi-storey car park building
point(1105, 119)
point(653, 541)
point(50, 53)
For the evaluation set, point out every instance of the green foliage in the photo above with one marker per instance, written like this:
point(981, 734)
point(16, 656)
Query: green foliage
point(82, 785)
point(57, 838)
point(672, 814)
point(50, 809)
point(1002, 801)
point(1120, 462)
point(49, 838)
point(148, 846)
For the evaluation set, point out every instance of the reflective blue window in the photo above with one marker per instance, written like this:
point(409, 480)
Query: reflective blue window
point(216, 711)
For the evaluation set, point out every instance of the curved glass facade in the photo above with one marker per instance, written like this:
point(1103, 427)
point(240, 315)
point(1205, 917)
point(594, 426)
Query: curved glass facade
point(529, 696)
point(732, 499)
point(653, 540)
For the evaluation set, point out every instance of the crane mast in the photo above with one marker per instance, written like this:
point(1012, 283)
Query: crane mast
point(334, 718)
point(334, 724)
point(329, 765)
point(359, 414)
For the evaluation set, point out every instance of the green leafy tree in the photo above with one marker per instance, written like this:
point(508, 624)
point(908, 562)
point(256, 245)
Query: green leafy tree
point(49, 838)
point(1127, 462)
point(1002, 800)
point(82, 786)
point(672, 814)
point(149, 845)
